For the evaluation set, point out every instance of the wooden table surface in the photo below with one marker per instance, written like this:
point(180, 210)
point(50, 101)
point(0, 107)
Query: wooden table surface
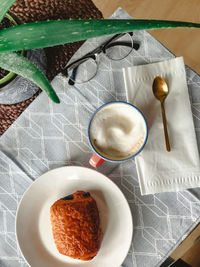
point(182, 42)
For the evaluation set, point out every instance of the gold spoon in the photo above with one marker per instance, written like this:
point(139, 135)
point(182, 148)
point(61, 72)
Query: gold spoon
point(160, 90)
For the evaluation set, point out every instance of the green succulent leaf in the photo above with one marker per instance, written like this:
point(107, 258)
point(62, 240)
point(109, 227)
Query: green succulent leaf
point(18, 64)
point(50, 33)
point(4, 7)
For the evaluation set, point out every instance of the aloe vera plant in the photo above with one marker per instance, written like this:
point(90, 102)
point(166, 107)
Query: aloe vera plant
point(37, 35)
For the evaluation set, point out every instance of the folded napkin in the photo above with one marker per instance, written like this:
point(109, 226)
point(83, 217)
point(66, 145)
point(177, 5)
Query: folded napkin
point(159, 170)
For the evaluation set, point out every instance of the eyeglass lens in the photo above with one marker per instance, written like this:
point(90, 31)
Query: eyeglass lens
point(84, 71)
point(120, 48)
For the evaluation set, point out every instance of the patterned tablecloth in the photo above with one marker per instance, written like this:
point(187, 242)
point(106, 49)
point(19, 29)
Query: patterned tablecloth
point(48, 135)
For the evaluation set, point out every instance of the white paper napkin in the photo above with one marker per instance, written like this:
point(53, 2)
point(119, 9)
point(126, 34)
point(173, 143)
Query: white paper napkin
point(159, 170)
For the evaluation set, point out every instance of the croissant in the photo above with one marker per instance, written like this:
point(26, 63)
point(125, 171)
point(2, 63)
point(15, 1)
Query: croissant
point(76, 226)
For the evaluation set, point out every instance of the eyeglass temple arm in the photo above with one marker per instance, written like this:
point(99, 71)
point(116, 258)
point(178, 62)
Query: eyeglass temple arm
point(115, 37)
point(72, 78)
point(76, 63)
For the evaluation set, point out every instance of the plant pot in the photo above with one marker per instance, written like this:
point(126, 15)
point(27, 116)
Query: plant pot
point(9, 76)
point(15, 88)
point(19, 88)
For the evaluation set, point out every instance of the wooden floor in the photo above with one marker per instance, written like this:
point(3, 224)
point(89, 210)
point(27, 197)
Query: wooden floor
point(182, 42)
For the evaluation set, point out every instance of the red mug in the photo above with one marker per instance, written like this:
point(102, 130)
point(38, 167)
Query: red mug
point(99, 157)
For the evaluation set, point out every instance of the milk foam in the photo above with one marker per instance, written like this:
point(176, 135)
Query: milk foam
point(118, 131)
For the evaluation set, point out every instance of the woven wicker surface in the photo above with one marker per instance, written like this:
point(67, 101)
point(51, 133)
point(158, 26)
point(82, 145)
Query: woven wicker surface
point(57, 56)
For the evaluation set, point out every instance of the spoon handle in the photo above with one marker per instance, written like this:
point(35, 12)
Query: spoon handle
point(165, 127)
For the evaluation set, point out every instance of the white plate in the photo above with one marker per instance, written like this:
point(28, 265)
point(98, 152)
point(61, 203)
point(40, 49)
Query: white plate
point(33, 226)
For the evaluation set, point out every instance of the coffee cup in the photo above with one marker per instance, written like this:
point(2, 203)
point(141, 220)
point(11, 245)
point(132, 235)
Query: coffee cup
point(117, 132)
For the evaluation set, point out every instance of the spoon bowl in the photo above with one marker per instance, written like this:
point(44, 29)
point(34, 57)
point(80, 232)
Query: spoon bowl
point(160, 91)
point(160, 88)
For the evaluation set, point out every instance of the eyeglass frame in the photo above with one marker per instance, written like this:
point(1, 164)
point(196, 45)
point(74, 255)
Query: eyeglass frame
point(94, 53)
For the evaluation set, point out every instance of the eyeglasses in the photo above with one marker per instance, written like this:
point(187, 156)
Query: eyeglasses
point(84, 69)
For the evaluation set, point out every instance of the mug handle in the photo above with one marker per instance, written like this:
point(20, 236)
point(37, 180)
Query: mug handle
point(96, 161)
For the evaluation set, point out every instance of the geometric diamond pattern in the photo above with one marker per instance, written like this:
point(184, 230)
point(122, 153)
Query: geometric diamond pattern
point(48, 136)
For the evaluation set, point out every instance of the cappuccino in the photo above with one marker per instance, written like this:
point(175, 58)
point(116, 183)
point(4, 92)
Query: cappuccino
point(118, 131)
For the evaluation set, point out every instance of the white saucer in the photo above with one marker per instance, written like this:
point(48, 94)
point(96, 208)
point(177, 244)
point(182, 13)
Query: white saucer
point(33, 226)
